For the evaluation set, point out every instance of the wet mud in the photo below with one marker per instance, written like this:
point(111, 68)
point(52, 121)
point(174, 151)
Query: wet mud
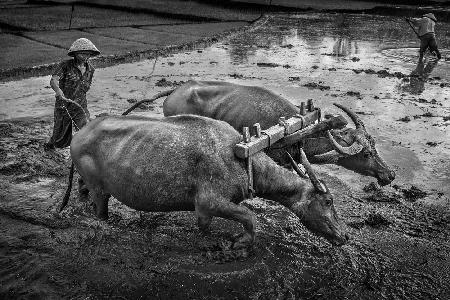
point(399, 246)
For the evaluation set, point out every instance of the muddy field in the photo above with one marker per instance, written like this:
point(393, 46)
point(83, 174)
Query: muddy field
point(400, 233)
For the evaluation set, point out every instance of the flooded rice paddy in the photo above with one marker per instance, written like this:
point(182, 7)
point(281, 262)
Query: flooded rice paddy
point(367, 63)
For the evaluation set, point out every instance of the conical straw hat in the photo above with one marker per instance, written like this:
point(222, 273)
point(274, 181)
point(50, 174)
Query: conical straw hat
point(83, 44)
point(431, 16)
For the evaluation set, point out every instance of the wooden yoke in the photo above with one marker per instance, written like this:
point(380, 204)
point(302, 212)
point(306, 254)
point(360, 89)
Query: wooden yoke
point(285, 128)
point(285, 133)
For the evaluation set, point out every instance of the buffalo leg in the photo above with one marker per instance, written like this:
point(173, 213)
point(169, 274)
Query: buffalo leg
point(83, 191)
point(82, 188)
point(228, 210)
point(100, 203)
point(203, 221)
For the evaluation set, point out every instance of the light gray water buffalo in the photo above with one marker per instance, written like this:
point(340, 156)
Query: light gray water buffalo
point(241, 106)
point(187, 163)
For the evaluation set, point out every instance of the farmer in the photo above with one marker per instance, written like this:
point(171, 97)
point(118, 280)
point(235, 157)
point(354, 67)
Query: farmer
point(70, 81)
point(426, 34)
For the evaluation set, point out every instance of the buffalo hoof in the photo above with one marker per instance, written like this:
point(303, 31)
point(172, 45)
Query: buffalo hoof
point(102, 217)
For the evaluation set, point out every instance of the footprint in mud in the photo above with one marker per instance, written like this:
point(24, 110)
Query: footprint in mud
point(222, 252)
point(377, 220)
point(413, 193)
point(373, 219)
point(163, 82)
point(378, 194)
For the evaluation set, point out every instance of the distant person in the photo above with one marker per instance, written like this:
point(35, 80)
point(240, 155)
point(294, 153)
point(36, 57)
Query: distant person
point(71, 80)
point(426, 34)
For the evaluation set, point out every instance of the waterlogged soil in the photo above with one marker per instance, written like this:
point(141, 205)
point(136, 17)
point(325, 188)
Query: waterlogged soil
point(400, 233)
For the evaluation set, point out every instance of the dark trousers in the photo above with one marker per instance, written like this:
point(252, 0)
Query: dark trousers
point(64, 116)
point(62, 125)
point(428, 40)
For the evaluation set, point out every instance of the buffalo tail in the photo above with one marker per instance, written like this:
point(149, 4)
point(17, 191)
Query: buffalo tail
point(159, 95)
point(69, 189)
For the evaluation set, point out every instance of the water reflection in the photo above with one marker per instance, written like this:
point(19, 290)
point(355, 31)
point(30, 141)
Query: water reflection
point(343, 44)
point(245, 46)
point(343, 47)
point(416, 83)
point(338, 35)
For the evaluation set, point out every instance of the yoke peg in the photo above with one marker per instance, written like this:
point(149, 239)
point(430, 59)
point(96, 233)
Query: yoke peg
point(246, 134)
point(310, 105)
point(302, 109)
point(257, 127)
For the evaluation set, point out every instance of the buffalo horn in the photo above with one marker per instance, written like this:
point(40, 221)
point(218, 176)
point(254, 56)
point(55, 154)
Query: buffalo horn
point(354, 148)
point(312, 176)
point(295, 166)
point(358, 122)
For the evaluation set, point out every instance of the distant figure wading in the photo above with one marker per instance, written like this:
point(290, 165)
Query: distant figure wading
point(71, 80)
point(426, 34)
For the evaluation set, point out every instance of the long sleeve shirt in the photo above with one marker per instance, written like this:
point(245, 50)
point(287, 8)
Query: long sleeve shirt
point(74, 84)
point(425, 25)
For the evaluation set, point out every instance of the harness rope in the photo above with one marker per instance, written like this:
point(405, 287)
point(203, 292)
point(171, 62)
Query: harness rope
point(73, 122)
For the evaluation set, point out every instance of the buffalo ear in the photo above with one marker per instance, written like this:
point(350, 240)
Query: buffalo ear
point(353, 149)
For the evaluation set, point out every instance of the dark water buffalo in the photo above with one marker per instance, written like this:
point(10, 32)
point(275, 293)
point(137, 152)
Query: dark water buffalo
point(241, 105)
point(187, 163)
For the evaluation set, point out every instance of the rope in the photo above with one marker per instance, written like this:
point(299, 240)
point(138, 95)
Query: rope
point(73, 122)
point(409, 22)
point(79, 106)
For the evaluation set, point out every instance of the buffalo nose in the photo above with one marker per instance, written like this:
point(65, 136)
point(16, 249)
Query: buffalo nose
point(386, 178)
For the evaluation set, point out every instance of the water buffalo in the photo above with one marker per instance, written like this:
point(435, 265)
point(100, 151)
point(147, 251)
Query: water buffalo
point(187, 163)
point(241, 105)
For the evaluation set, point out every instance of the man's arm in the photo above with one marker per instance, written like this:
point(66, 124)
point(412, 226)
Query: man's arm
point(415, 21)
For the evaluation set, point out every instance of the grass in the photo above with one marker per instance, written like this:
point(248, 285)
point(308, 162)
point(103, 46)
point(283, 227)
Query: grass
point(17, 51)
point(58, 18)
point(106, 45)
point(190, 8)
